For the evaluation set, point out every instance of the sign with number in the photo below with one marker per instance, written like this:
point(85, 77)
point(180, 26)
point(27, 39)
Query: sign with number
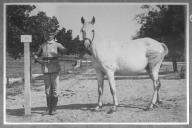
point(26, 38)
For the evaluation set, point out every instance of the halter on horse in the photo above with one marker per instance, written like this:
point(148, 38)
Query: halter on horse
point(117, 57)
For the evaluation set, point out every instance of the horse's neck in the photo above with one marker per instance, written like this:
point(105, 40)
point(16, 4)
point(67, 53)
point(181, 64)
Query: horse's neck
point(95, 44)
point(93, 49)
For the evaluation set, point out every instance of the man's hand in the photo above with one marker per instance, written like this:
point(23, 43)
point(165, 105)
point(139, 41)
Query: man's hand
point(35, 57)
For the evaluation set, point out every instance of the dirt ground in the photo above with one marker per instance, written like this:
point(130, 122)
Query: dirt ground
point(78, 97)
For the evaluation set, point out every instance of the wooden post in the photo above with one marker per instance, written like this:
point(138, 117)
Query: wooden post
point(26, 39)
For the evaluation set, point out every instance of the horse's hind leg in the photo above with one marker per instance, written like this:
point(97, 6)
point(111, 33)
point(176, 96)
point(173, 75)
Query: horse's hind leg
point(158, 99)
point(154, 74)
point(100, 79)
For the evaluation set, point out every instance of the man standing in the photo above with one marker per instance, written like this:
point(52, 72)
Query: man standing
point(50, 67)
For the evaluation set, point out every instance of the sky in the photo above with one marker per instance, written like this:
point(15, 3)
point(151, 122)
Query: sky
point(112, 21)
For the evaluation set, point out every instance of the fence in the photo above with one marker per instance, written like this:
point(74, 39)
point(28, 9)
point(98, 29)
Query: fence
point(68, 64)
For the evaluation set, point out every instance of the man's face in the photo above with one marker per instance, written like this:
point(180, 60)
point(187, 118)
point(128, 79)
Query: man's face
point(51, 37)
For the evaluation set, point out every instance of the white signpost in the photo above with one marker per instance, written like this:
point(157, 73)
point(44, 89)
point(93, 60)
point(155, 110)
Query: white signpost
point(27, 39)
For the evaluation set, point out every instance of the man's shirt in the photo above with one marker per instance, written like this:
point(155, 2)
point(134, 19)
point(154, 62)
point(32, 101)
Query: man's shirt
point(49, 50)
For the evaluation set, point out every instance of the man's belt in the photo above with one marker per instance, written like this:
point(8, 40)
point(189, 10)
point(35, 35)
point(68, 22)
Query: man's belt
point(46, 60)
point(50, 58)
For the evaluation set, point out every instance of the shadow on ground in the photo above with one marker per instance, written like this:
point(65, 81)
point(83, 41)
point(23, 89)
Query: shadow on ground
point(162, 75)
point(84, 107)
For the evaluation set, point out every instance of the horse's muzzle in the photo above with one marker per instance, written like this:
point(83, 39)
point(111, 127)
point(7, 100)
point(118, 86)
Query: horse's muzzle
point(87, 44)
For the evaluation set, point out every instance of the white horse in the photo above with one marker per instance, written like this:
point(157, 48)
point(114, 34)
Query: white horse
point(124, 58)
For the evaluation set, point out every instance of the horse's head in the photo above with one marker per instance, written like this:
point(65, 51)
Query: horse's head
point(88, 32)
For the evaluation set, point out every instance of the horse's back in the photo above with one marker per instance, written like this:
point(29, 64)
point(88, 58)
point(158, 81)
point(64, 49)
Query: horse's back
point(155, 51)
point(150, 44)
point(127, 57)
point(122, 57)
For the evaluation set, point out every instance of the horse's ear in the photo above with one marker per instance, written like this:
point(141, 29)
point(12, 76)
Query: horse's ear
point(93, 20)
point(82, 20)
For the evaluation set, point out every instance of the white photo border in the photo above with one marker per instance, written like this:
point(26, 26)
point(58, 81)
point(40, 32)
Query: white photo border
point(93, 123)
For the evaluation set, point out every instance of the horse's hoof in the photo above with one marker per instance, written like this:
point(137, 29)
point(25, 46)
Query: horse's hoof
point(151, 107)
point(159, 102)
point(148, 109)
point(98, 108)
point(113, 109)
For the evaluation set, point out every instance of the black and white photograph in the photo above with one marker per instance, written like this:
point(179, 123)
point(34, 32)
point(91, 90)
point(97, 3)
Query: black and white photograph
point(96, 63)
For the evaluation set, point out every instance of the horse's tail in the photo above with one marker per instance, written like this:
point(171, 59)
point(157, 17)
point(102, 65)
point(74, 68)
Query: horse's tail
point(165, 50)
point(154, 57)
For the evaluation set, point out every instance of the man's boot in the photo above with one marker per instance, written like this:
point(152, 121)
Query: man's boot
point(53, 105)
point(55, 100)
point(48, 105)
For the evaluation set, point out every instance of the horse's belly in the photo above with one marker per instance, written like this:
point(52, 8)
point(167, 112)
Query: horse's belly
point(125, 62)
point(131, 66)
point(129, 72)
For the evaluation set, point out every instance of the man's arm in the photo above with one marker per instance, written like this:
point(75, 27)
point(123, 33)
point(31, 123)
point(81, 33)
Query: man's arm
point(62, 49)
point(38, 53)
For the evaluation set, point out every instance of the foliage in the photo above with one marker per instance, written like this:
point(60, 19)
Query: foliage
point(39, 26)
point(73, 46)
point(165, 23)
point(16, 20)
point(19, 22)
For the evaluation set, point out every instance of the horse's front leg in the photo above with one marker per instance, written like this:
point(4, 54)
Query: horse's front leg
point(100, 79)
point(111, 79)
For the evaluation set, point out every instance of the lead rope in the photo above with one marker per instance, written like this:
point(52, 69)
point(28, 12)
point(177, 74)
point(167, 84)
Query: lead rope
point(93, 36)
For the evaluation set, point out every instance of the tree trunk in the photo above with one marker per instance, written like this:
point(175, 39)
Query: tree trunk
point(175, 66)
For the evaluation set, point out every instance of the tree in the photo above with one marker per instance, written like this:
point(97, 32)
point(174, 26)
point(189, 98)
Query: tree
point(20, 22)
point(16, 19)
point(73, 46)
point(165, 23)
point(40, 26)
point(64, 37)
